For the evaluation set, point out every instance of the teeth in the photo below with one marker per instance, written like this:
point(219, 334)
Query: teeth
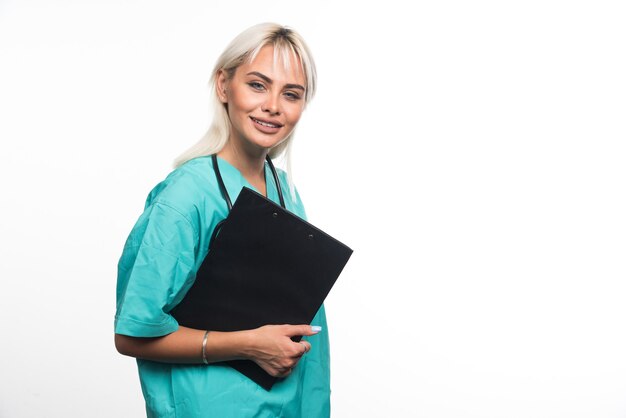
point(269, 125)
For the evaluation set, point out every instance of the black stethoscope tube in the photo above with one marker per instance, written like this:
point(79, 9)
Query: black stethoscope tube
point(226, 197)
point(222, 186)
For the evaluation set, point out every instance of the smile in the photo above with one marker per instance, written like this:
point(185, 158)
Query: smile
point(266, 123)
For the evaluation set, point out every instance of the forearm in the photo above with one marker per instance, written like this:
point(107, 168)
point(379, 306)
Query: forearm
point(270, 346)
point(185, 346)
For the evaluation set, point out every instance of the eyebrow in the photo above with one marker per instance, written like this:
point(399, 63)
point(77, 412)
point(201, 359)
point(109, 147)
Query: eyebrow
point(269, 81)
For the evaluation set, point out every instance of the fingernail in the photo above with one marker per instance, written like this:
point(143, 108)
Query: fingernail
point(315, 328)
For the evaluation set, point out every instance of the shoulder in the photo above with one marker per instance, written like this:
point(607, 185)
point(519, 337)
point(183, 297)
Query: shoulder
point(189, 190)
point(184, 185)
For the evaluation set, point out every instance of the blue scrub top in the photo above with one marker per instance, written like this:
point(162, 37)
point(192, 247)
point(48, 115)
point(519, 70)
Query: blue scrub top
point(158, 265)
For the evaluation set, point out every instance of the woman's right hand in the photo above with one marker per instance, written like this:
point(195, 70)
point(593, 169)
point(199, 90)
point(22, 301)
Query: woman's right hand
point(271, 347)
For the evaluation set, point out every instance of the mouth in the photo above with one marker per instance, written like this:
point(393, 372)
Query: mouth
point(266, 123)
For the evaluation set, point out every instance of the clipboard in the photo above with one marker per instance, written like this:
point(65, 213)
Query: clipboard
point(265, 266)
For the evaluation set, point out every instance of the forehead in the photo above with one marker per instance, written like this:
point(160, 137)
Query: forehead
point(280, 64)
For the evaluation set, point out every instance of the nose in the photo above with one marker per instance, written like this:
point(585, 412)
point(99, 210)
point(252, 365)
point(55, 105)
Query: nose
point(271, 105)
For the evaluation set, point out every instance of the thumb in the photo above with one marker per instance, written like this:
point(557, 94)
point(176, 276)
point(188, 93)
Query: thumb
point(294, 330)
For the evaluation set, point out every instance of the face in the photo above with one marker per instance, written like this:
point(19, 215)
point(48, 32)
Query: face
point(264, 101)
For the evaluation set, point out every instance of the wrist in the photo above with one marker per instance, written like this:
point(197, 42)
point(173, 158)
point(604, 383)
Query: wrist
point(247, 344)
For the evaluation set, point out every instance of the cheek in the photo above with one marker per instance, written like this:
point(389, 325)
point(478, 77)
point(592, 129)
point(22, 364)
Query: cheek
point(294, 114)
point(245, 101)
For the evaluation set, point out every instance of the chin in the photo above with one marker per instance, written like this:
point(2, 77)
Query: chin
point(267, 144)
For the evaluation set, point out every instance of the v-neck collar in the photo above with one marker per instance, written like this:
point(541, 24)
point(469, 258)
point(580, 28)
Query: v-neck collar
point(234, 173)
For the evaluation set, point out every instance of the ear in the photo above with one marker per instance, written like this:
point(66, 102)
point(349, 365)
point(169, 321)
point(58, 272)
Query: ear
point(221, 85)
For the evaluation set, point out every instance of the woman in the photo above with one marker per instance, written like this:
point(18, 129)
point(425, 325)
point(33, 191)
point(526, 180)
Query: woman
point(261, 83)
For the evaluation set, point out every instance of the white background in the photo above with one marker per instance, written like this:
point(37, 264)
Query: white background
point(471, 153)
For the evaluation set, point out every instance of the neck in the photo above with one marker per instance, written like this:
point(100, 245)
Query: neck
point(251, 163)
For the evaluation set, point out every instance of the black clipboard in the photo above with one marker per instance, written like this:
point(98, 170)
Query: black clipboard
point(265, 266)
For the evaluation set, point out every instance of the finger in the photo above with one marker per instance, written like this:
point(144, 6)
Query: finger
point(284, 373)
point(306, 345)
point(300, 349)
point(279, 373)
point(293, 330)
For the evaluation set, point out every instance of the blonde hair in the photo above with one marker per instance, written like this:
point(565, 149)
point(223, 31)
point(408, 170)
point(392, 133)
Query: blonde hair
point(242, 49)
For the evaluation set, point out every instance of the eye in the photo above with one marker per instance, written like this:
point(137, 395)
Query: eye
point(293, 96)
point(256, 85)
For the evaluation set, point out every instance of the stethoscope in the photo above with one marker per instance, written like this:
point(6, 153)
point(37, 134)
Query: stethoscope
point(226, 197)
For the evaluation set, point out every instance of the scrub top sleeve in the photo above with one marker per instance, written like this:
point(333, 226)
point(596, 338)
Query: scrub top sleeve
point(154, 272)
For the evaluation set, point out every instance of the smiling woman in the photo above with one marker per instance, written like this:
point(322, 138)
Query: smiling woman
point(261, 84)
point(288, 49)
point(264, 99)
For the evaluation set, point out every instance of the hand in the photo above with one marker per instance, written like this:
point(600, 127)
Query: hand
point(273, 349)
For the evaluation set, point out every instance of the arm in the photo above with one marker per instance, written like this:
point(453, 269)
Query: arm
point(158, 258)
point(269, 346)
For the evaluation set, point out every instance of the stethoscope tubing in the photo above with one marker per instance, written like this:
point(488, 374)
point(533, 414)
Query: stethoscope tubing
point(222, 186)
